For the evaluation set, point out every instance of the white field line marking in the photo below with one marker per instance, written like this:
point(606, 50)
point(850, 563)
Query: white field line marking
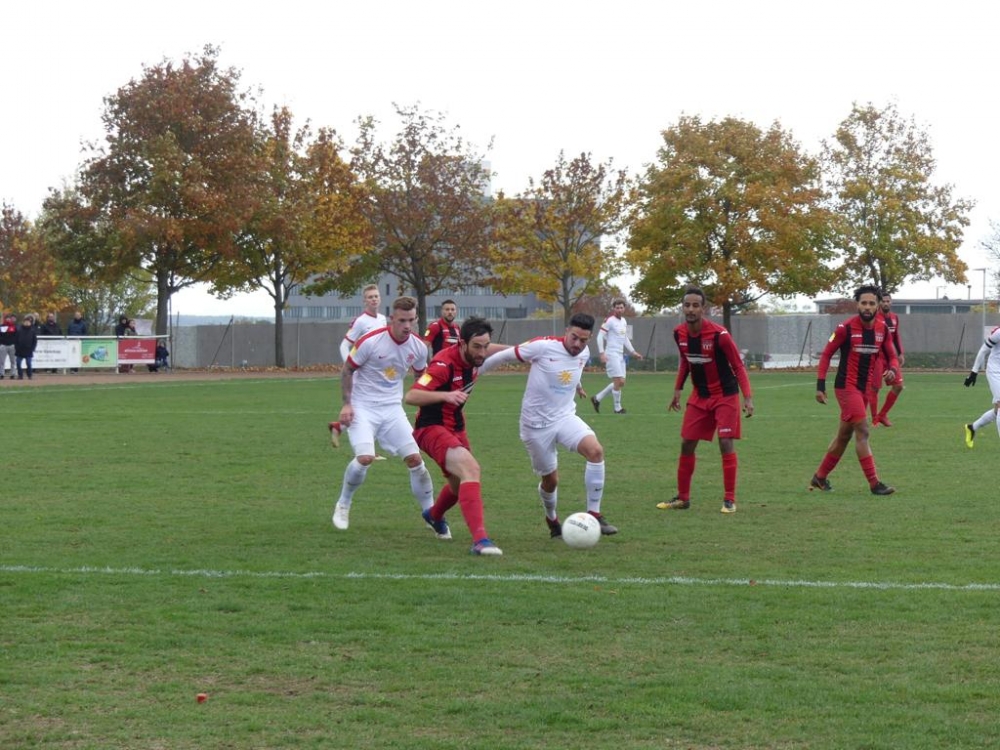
point(512, 578)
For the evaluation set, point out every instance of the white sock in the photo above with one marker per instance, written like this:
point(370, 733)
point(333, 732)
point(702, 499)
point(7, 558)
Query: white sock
point(618, 399)
point(549, 501)
point(984, 420)
point(593, 477)
point(354, 477)
point(600, 396)
point(422, 486)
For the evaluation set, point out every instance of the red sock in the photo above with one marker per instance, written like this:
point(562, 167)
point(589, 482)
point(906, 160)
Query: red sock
point(830, 462)
point(470, 498)
point(890, 400)
point(685, 470)
point(729, 463)
point(868, 467)
point(446, 500)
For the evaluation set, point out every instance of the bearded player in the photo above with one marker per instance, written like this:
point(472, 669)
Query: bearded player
point(861, 341)
point(441, 393)
point(548, 414)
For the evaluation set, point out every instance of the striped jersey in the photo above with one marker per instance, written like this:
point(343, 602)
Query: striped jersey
point(711, 358)
point(864, 352)
point(447, 371)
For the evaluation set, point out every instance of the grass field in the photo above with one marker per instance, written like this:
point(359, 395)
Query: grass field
point(161, 540)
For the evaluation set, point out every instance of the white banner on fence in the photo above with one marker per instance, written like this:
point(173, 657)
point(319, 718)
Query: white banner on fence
point(56, 353)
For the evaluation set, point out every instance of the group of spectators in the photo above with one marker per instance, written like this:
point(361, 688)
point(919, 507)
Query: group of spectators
point(18, 341)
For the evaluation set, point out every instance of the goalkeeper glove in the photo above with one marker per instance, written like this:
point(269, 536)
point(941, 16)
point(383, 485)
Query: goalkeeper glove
point(971, 380)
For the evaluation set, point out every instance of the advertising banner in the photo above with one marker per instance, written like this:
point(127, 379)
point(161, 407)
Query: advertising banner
point(56, 353)
point(137, 351)
point(99, 353)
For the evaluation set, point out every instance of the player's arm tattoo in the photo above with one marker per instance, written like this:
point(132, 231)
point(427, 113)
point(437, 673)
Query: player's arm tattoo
point(346, 384)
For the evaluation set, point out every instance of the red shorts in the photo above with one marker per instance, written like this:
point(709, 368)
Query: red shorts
point(853, 405)
point(703, 417)
point(878, 373)
point(436, 440)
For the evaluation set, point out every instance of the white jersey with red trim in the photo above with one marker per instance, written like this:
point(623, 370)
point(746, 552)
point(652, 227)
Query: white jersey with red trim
point(361, 325)
point(550, 394)
point(989, 354)
point(381, 364)
point(613, 337)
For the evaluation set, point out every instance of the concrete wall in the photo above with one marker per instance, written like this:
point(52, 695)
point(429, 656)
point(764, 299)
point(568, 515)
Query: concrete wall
point(764, 338)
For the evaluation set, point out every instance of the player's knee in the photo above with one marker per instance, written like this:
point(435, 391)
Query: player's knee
point(413, 461)
point(365, 460)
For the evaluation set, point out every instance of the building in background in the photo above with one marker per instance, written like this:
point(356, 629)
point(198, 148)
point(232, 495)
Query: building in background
point(471, 300)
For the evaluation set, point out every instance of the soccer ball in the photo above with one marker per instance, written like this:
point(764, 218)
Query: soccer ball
point(581, 531)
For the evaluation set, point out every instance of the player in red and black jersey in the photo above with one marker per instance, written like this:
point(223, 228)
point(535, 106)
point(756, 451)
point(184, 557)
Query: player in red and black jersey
point(444, 331)
point(441, 393)
point(864, 343)
point(879, 416)
point(709, 355)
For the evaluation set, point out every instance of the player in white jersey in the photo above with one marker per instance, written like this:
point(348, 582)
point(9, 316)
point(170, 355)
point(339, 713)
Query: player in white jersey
point(612, 343)
point(372, 389)
point(367, 321)
point(989, 354)
point(548, 414)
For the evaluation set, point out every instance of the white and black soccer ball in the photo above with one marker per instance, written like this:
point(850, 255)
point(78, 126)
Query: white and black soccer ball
point(581, 531)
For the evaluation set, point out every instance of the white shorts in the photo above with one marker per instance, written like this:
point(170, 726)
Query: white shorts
point(615, 366)
point(386, 424)
point(542, 442)
point(993, 378)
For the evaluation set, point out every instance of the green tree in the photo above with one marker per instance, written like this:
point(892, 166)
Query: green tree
point(731, 208)
point(557, 238)
point(894, 224)
point(307, 218)
point(427, 204)
point(171, 187)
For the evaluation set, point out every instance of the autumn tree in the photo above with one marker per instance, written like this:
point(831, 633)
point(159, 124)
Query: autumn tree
point(894, 224)
point(29, 274)
point(733, 209)
point(600, 302)
point(427, 205)
point(557, 238)
point(170, 186)
point(306, 220)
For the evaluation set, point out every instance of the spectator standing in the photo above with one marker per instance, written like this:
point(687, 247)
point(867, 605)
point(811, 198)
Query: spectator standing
point(77, 327)
point(123, 329)
point(50, 327)
point(25, 342)
point(8, 329)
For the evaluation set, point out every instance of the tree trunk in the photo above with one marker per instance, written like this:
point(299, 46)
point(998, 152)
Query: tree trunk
point(279, 328)
point(162, 301)
point(727, 315)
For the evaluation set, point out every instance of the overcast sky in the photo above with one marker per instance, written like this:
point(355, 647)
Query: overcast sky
point(534, 77)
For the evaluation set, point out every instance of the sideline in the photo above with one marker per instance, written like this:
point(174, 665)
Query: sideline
point(509, 578)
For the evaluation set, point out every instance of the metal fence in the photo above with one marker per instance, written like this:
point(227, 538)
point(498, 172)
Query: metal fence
point(929, 340)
